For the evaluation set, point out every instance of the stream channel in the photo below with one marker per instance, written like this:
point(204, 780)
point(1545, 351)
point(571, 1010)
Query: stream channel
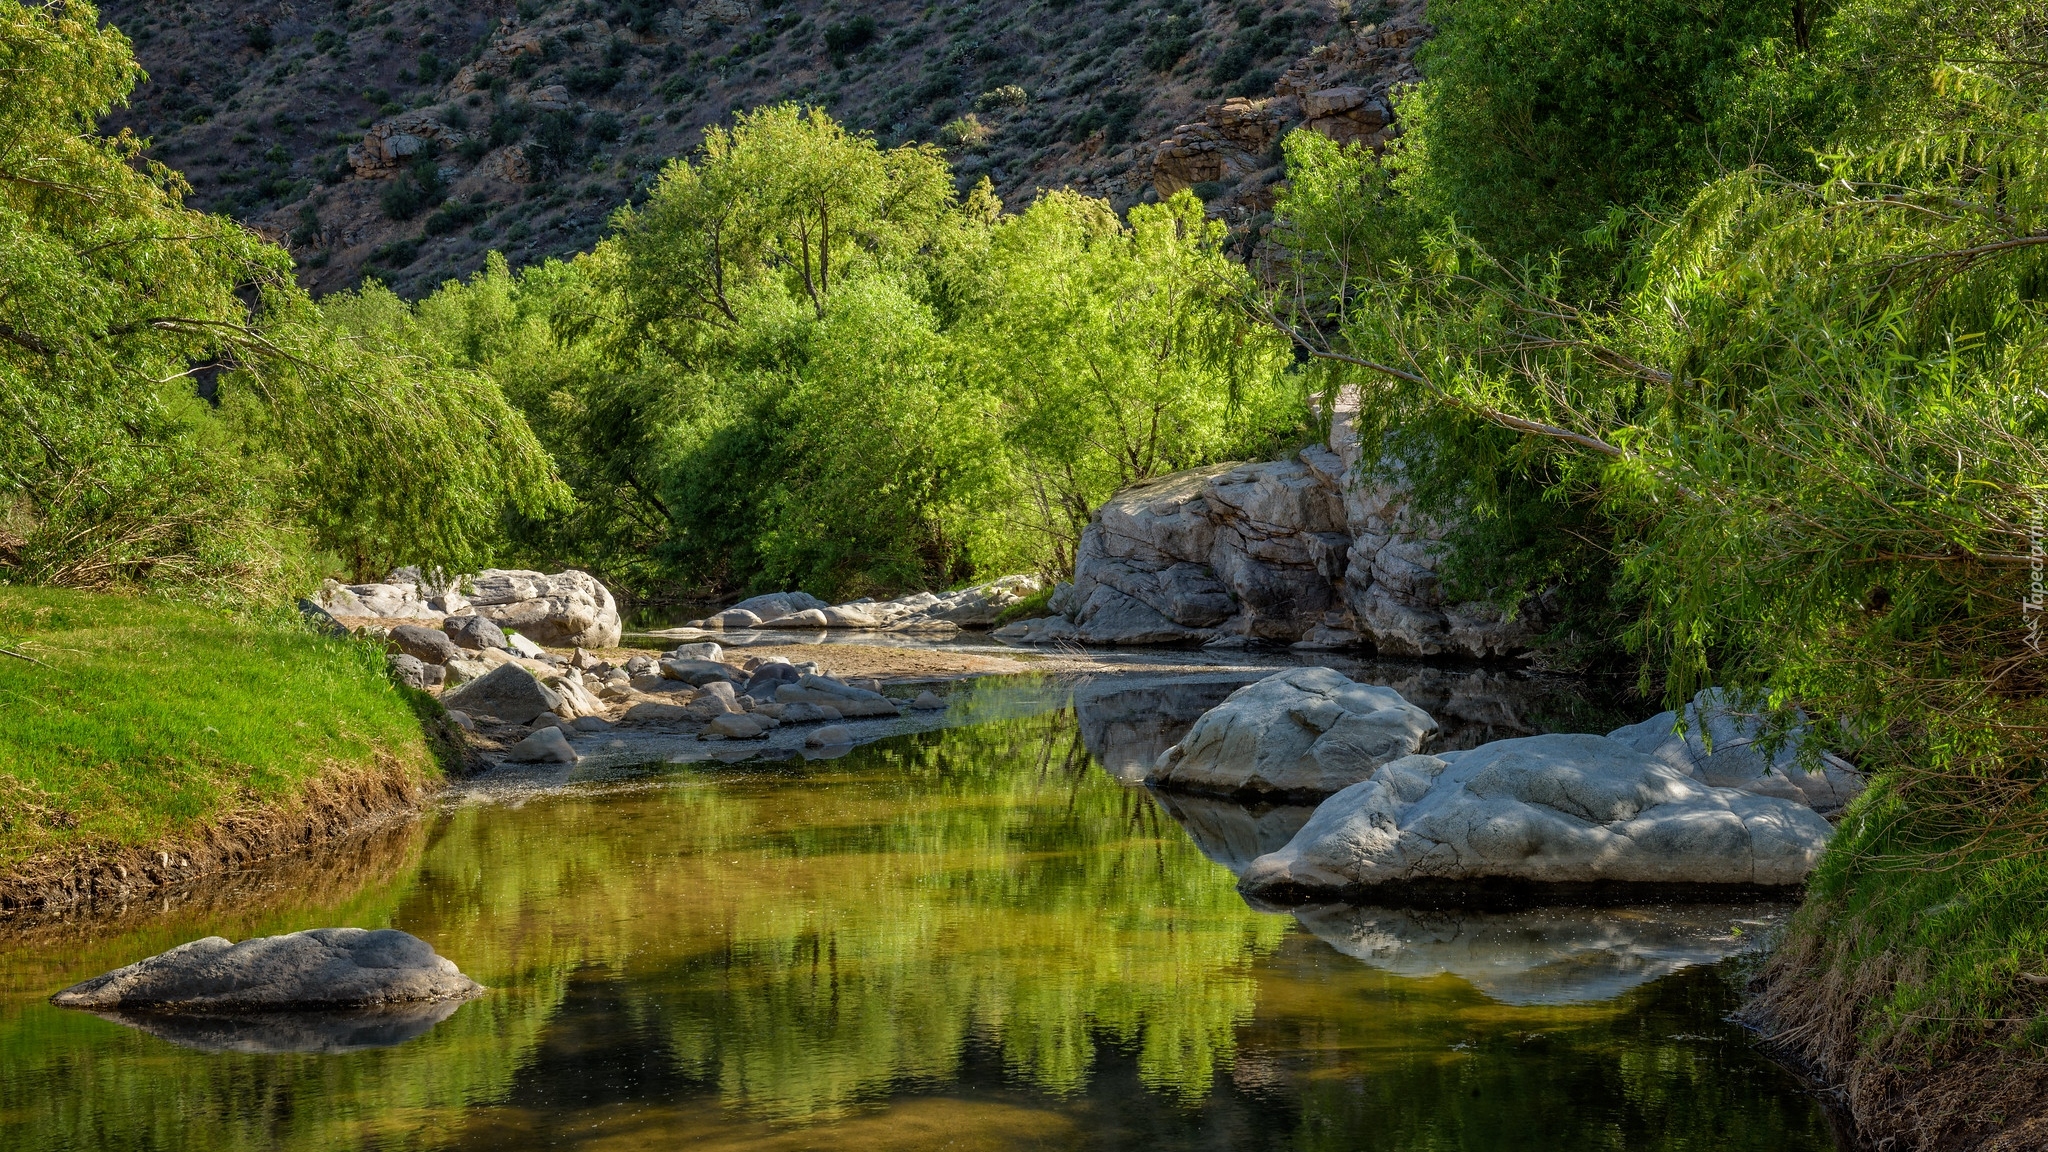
point(983, 934)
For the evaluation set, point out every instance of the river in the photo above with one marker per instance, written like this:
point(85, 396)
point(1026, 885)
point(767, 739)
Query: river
point(981, 936)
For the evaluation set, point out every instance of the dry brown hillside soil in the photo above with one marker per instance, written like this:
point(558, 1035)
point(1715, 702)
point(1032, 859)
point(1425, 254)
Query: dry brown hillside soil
point(407, 139)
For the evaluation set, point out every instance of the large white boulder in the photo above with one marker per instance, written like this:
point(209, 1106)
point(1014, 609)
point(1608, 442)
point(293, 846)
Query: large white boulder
point(1545, 809)
point(563, 610)
point(1303, 732)
point(1722, 744)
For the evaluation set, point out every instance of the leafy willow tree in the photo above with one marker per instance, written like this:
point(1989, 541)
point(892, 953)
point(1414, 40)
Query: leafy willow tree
point(1811, 427)
point(1118, 354)
point(805, 360)
point(178, 412)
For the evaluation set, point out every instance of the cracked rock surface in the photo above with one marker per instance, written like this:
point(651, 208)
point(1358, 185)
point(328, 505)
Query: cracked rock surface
point(1546, 809)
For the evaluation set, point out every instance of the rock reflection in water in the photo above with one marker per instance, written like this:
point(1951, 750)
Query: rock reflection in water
point(1543, 955)
point(1230, 833)
point(355, 1030)
point(1126, 729)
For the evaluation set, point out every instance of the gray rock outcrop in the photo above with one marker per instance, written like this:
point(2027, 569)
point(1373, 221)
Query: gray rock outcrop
point(1306, 732)
point(1543, 809)
point(1300, 551)
point(975, 607)
point(546, 746)
point(323, 968)
point(428, 645)
point(850, 701)
point(474, 633)
point(508, 692)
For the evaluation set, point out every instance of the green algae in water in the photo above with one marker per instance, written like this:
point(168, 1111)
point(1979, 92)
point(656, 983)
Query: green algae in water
point(964, 939)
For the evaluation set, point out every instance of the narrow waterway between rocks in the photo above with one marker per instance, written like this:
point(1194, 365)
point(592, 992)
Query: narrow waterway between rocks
point(980, 936)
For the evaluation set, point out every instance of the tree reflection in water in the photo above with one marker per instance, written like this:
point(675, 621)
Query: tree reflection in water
point(968, 938)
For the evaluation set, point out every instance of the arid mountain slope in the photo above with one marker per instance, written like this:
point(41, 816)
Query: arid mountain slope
point(406, 139)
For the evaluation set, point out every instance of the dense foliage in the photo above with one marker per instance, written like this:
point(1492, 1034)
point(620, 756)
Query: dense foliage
point(1800, 418)
point(806, 361)
point(178, 412)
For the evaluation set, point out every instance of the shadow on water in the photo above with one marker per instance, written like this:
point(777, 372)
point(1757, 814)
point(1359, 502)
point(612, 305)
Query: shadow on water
point(977, 937)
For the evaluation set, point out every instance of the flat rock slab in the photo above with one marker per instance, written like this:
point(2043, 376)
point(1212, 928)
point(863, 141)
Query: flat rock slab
point(323, 968)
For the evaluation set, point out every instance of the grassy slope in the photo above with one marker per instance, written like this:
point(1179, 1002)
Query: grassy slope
point(146, 719)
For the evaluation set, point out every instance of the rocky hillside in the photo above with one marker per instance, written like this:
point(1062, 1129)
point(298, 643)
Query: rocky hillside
point(406, 139)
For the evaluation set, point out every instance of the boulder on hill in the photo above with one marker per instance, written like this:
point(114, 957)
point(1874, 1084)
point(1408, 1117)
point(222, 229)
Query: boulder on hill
point(508, 692)
point(1306, 732)
point(1542, 809)
point(323, 968)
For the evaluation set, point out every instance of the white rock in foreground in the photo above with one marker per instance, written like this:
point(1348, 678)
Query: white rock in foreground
point(1303, 732)
point(318, 969)
point(1547, 809)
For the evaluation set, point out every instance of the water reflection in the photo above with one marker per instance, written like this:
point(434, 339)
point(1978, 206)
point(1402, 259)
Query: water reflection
point(972, 938)
point(1234, 834)
point(1543, 955)
point(351, 1031)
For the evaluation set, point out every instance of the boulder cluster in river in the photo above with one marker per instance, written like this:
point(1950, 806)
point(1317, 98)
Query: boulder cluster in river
point(1648, 803)
point(475, 642)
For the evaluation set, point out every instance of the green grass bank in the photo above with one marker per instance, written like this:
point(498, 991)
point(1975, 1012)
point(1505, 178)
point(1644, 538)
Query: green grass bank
point(148, 741)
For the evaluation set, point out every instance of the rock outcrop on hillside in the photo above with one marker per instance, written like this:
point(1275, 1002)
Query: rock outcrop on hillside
point(1297, 551)
point(1342, 90)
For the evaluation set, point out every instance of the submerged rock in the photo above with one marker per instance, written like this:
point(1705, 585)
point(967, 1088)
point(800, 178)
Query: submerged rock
point(1230, 833)
point(1544, 809)
point(321, 968)
point(1304, 732)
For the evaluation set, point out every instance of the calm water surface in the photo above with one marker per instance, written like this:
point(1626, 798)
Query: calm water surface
point(970, 939)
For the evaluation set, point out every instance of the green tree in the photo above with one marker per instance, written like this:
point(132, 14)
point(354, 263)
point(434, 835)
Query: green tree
point(178, 412)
